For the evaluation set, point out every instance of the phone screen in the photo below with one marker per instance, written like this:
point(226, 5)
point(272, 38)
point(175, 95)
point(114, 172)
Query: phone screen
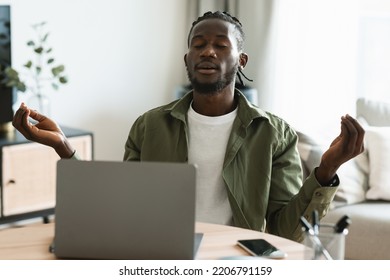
point(262, 248)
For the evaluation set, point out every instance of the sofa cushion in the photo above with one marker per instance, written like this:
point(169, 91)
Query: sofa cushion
point(374, 112)
point(378, 147)
point(375, 115)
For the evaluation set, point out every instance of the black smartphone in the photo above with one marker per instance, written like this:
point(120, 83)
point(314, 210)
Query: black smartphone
point(261, 248)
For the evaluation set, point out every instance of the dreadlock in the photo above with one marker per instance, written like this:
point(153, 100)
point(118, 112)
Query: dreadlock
point(238, 26)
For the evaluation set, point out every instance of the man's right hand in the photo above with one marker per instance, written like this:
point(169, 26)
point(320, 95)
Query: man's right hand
point(45, 131)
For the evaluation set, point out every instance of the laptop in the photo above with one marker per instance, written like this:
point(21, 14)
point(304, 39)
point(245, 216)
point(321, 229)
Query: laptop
point(125, 210)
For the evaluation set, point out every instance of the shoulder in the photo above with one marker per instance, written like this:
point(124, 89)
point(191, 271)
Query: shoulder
point(274, 124)
point(252, 115)
point(279, 124)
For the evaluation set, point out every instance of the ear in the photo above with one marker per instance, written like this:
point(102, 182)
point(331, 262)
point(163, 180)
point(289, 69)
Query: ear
point(243, 59)
point(185, 60)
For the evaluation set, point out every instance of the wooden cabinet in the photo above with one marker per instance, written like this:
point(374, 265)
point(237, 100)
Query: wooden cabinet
point(28, 174)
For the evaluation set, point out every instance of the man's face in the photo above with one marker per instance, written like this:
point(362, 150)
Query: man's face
point(212, 59)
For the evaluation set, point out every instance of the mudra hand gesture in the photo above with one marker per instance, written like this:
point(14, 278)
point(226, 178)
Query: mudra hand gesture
point(344, 147)
point(45, 131)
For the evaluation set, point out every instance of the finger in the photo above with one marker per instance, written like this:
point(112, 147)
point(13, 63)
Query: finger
point(350, 132)
point(351, 136)
point(18, 116)
point(361, 132)
point(20, 120)
point(27, 128)
point(37, 116)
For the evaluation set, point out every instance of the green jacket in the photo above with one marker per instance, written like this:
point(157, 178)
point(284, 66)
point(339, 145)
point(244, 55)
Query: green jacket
point(262, 167)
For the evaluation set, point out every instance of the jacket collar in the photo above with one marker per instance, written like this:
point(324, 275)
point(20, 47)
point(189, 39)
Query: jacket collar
point(246, 112)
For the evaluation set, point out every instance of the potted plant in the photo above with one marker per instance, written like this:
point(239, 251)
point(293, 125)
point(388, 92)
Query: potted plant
point(39, 71)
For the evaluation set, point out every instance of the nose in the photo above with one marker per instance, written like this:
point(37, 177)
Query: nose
point(208, 51)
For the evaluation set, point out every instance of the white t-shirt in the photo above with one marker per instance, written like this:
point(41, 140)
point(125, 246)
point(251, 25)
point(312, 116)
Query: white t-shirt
point(208, 137)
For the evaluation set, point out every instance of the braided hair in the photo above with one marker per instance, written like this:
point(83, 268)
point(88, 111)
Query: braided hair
point(240, 35)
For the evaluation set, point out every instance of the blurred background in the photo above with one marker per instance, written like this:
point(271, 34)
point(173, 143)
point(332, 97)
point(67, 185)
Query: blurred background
point(309, 59)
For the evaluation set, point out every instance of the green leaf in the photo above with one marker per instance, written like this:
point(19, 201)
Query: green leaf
point(49, 50)
point(17, 84)
point(30, 43)
point(28, 64)
point(38, 70)
point(11, 73)
point(11, 83)
point(38, 50)
point(21, 86)
point(55, 86)
point(50, 60)
point(57, 70)
point(63, 80)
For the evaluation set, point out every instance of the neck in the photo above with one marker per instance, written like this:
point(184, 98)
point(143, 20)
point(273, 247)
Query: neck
point(215, 104)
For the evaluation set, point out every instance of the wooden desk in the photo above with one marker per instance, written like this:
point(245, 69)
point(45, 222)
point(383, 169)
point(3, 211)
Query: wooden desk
point(32, 242)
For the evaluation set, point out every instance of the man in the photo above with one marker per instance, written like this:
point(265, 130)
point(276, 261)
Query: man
point(249, 171)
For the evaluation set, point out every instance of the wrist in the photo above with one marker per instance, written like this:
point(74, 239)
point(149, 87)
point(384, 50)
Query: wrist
point(326, 176)
point(65, 150)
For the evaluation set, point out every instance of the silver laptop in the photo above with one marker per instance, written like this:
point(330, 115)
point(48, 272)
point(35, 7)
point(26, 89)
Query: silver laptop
point(125, 210)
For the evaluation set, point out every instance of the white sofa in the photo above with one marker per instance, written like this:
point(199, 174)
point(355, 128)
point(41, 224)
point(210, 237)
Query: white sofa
point(364, 192)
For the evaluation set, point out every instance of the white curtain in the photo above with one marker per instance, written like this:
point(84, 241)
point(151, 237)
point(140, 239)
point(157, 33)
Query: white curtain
point(302, 56)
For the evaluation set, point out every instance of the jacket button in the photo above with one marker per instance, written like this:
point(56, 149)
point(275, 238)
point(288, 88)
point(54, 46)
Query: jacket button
point(318, 194)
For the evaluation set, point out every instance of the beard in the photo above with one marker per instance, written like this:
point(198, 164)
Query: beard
point(213, 87)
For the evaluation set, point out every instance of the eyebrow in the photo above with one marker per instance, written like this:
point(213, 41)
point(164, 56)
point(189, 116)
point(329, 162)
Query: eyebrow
point(218, 35)
point(201, 36)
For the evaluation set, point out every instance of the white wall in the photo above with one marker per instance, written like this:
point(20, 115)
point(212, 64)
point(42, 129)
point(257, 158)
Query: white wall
point(122, 58)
